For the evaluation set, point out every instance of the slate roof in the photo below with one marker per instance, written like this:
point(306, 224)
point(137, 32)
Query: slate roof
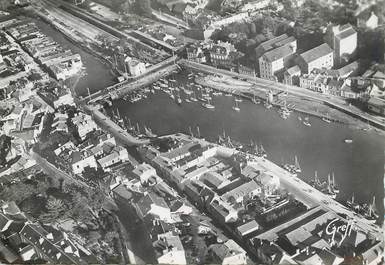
point(317, 52)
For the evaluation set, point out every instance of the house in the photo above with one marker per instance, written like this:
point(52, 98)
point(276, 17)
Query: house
point(274, 61)
point(190, 12)
point(118, 154)
point(273, 43)
point(270, 183)
point(66, 146)
point(228, 253)
point(291, 76)
point(179, 207)
point(81, 161)
point(224, 54)
point(377, 105)
point(121, 192)
point(84, 124)
point(315, 82)
point(5, 222)
point(318, 57)
point(237, 194)
point(154, 205)
point(135, 67)
point(367, 19)
point(51, 246)
point(343, 40)
point(64, 99)
point(247, 228)
point(171, 249)
point(195, 54)
point(255, 5)
point(221, 22)
point(222, 211)
point(144, 172)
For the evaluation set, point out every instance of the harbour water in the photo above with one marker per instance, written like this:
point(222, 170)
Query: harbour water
point(98, 75)
point(358, 166)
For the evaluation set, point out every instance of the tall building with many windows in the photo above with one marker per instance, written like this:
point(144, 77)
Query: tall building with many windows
point(343, 40)
point(318, 57)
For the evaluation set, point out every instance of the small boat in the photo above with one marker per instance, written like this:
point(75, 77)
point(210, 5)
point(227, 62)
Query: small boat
point(228, 95)
point(297, 166)
point(255, 100)
point(326, 119)
point(348, 141)
point(172, 96)
point(187, 100)
point(268, 105)
point(299, 118)
point(178, 100)
point(238, 99)
point(306, 122)
point(207, 105)
point(236, 107)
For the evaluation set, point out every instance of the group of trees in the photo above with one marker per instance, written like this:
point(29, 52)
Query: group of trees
point(5, 4)
point(5, 146)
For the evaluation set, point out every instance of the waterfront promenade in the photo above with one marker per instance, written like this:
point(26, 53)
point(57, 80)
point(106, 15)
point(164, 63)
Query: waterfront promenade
point(117, 131)
point(265, 85)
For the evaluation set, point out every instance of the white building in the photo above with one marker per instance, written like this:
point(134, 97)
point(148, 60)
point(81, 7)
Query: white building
point(255, 5)
point(135, 67)
point(173, 253)
point(144, 172)
point(343, 40)
point(275, 60)
point(367, 20)
point(229, 253)
point(79, 162)
point(118, 154)
point(318, 57)
point(64, 99)
point(84, 123)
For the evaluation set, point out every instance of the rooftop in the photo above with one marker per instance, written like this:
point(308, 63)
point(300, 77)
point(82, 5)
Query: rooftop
point(279, 53)
point(316, 53)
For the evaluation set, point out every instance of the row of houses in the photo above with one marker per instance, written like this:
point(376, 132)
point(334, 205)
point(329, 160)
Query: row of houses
point(103, 153)
point(25, 241)
point(61, 62)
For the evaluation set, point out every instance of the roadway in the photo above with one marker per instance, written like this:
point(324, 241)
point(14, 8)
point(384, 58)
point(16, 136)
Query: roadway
point(336, 102)
point(170, 19)
point(313, 197)
point(117, 131)
point(53, 171)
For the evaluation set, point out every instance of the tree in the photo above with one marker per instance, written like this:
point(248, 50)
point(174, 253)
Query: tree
point(17, 192)
point(143, 7)
point(55, 209)
point(5, 4)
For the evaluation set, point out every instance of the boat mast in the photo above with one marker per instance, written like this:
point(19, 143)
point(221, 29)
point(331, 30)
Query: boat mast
point(189, 128)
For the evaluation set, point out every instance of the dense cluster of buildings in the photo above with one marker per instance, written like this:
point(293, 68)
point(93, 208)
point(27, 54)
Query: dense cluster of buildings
point(244, 194)
point(61, 62)
point(328, 68)
point(91, 147)
point(25, 241)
